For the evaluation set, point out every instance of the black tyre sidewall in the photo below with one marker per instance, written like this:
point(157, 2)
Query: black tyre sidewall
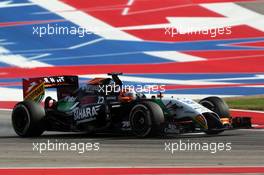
point(154, 118)
point(140, 108)
point(221, 108)
point(34, 113)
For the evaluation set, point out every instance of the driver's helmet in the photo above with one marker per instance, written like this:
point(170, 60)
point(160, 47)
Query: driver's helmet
point(99, 81)
point(115, 88)
point(127, 95)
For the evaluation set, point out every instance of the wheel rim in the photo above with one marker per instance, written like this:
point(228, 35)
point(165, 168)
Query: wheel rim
point(21, 119)
point(140, 123)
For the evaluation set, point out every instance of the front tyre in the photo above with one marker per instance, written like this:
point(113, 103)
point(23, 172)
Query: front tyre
point(216, 105)
point(27, 119)
point(220, 107)
point(146, 118)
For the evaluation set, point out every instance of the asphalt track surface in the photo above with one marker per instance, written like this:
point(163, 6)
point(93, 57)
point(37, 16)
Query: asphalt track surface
point(128, 151)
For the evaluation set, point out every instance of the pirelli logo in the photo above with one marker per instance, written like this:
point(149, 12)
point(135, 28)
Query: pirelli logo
point(36, 92)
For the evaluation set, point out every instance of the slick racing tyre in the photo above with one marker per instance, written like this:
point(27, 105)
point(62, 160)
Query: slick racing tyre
point(216, 105)
point(27, 119)
point(146, 119)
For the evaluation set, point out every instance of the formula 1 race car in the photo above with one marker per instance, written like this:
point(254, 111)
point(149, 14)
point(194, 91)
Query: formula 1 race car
point(89, 109)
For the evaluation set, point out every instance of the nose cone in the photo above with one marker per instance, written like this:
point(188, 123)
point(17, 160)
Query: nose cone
point(201, 121)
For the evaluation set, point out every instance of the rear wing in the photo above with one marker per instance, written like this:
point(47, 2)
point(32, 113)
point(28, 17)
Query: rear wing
point(34, 88)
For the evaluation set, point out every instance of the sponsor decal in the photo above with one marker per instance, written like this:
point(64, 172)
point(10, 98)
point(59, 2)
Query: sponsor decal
point(60, 80)
point(33, 89)
point(36, 93)
point(32, 85)
point(125, 126)
point(86, 113)
point(54, 81)
point(70, 99)
point(50, 80)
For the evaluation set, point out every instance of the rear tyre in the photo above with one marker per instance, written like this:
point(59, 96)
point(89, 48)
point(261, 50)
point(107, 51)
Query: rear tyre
point(27, 119)
point(146, 119)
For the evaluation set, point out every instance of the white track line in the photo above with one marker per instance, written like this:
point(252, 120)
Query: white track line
point(252, 111)
point(158, 80)
point(256, 77)
point(103, 29)
point(86, 43)
point(168, 55)
point(18, 60)
point(175, 56)
point(126, 9)
point(8, 4)
point(237, 14)
point(233, 15)
point(39, 56)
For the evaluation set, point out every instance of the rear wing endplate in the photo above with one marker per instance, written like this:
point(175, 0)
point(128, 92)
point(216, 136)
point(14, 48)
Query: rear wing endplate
point(34, 88)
